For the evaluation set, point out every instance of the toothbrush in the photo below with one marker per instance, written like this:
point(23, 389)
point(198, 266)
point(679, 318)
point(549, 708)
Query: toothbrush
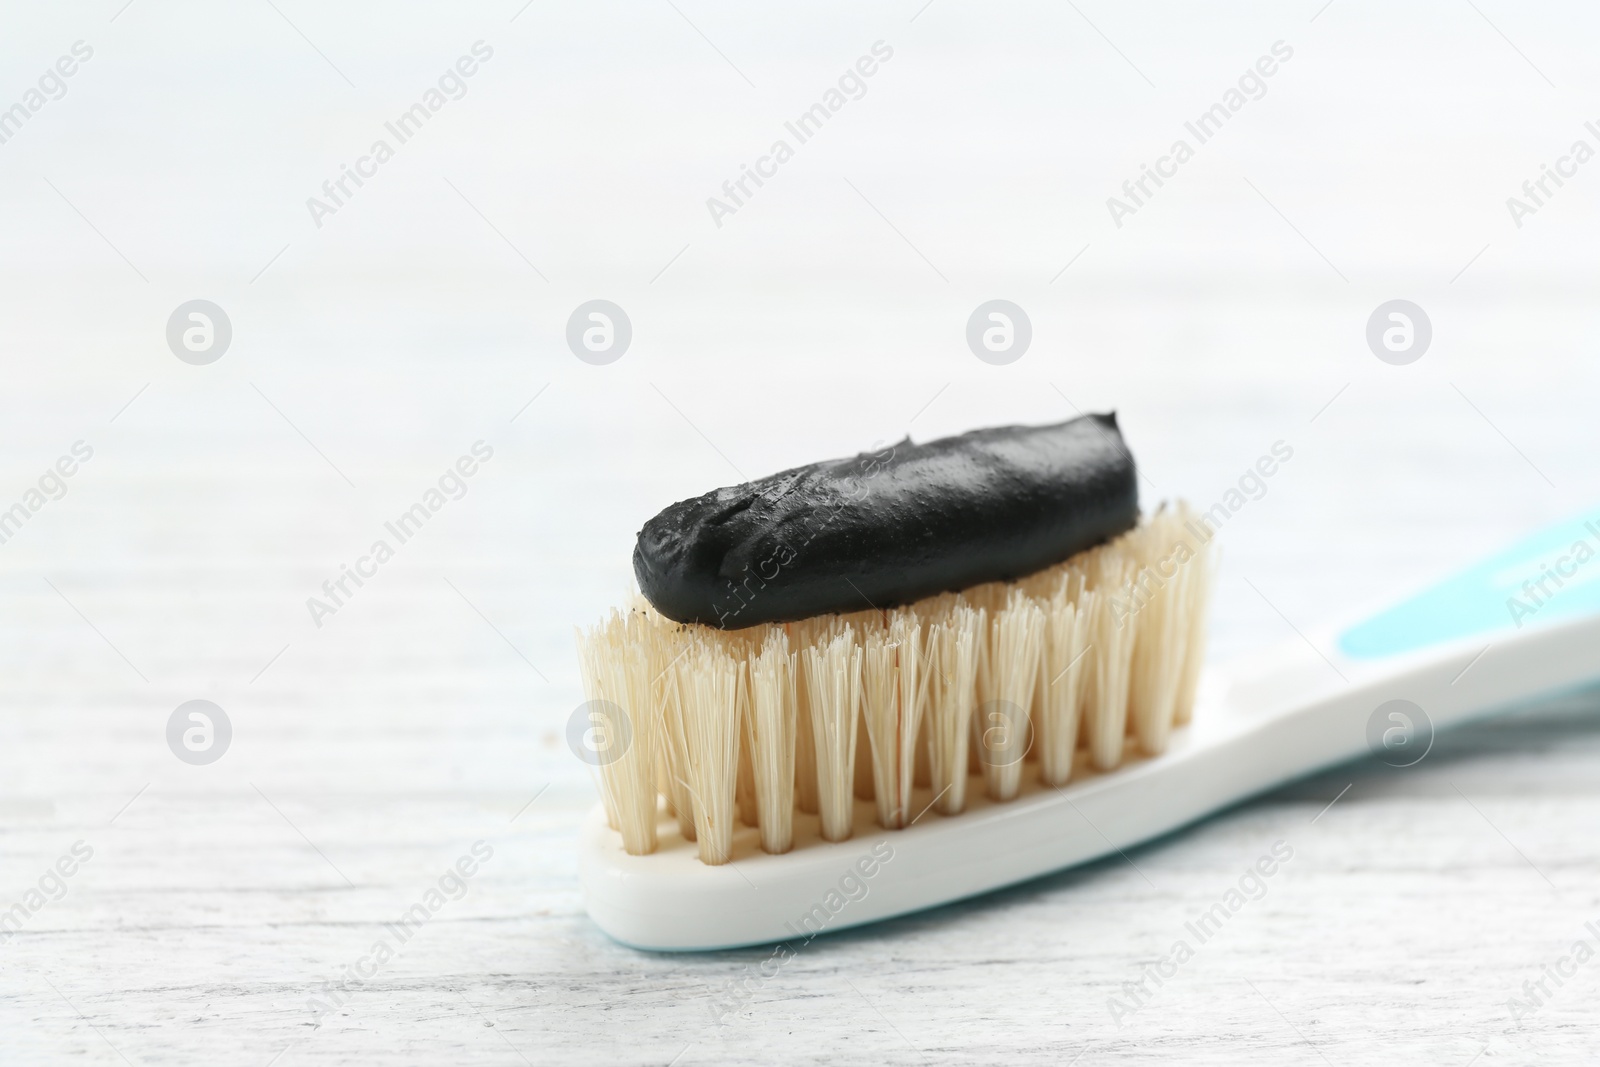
point(1515, 627)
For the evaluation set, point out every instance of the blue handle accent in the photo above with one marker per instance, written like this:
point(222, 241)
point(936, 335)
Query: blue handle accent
point(1553, 574)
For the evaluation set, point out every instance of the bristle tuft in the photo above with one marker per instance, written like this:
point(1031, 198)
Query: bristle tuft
point(833, 679)
point(709, 684)
point(622, 724)
point(772, 739)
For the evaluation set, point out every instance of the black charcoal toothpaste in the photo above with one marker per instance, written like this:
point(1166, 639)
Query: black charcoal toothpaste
point(889, 527)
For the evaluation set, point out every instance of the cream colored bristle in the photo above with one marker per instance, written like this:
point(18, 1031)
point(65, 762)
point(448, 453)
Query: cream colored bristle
point(1158, 607)
point(709, 684)
point(1105, 704)
point(665, 652)
point(929, 612)
point(1197, 534)
point(1005, 695)
point(954, 643)
point(622, 723)
point(879, 712)
point(742, 646)
point(749, 812)
point(833, 679)
point(865, 624)
point(772, 721)
point(893, 696)
point(910, 636)
point(1062, 679)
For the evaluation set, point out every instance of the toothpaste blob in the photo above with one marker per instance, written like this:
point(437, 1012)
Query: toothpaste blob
point(887, 528)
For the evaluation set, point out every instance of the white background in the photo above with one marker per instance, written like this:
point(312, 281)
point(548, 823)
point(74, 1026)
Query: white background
point(826, 315)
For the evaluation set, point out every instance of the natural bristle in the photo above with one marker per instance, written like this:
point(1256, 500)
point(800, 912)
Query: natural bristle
point(771, 734)
point(833, 680)
point(1005, 681)
point(711, 687)
point(1005, 693)
point(617, 677)
point(894, 694)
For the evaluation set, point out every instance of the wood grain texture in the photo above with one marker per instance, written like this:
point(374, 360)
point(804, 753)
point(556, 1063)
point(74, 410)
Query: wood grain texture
point(375, 751)
point(1411, 910)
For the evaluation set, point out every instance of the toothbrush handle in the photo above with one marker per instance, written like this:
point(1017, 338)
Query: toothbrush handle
point(1517, 626)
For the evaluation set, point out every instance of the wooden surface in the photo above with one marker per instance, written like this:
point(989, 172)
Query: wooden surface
point(372, 752)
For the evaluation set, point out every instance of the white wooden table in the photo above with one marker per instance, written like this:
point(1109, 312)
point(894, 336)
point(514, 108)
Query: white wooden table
point(427, 714)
